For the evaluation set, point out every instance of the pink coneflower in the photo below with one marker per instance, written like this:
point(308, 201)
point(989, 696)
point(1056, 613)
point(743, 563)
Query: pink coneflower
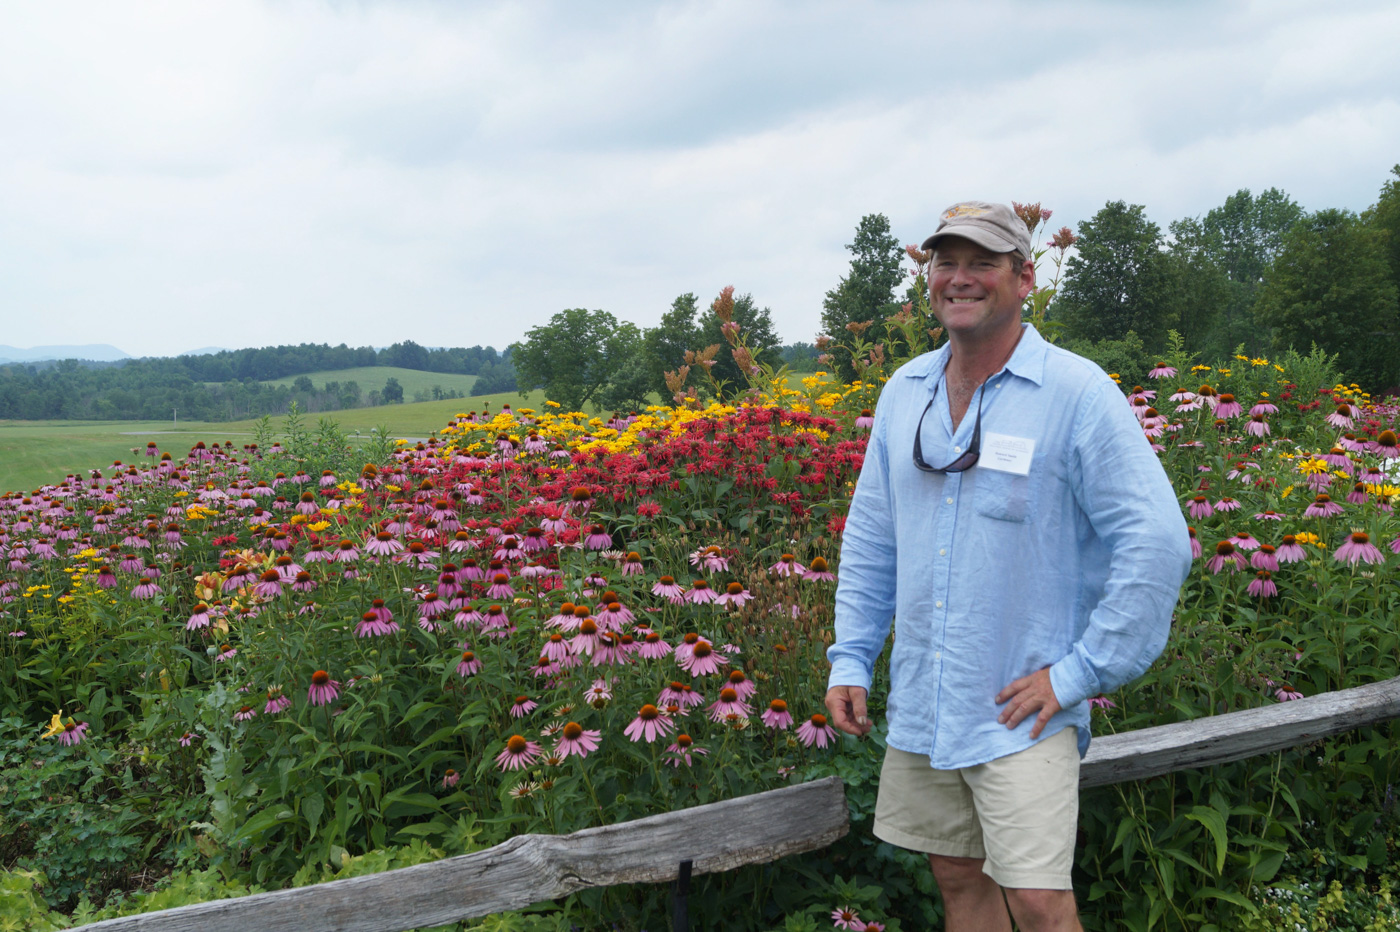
point(555, 648)
point(199, 618)
point(1268, 515)
point(1337, 458)
point(650, 724)
point(681, 695)
point(599, 694)
point(599, 538)
point(742, 685)
point(1162, 371)
point(1258, 426)
point(1264, 558)
point(728, 704)
point(269, 585)
point(1263, 406)
point(586, 641)
point(1225, 553)
point(819, 571)
point(106, 579)
point(844, 917)
point(1226, 505)
point(787, 565)
point(226, 652)
point(703, 660)
point(1200, 507)
point(653, 647)
point(187, 738)
point(495, 620)
point(1341, 418)
point(1227, 406)
point(432, 606)
point(734, 594)
point(523, 706)
point(667, 587)
point(73, 733)
point(1102, 703)
point(146, 590)
point(276, 702)
point(346, 552)
point(1139, 392)
point(323, 689)
point(245, 714)
point(383, 544)
point(866, 420)
point(816, 731)
point(682, 750)
point(777, 717)
point(1359, 549)
point(450, 778)
point(1263, 585)
point(469, 665)
point(518, 753)
point(573, 739)
point(315, 554)
point(632, 564)
point(700, 593)
point(1285, 692)
point(1195, 543)
point(709, 559)
point(1387, 445)
point(1245, 541)
point(1322, 507)
point(611, 616)
point(1290, 551)
point(371, 625)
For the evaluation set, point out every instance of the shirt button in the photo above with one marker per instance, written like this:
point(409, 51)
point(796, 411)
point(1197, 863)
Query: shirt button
point(937, 604)
point(957, 449)
point(938, 655)
point(949, 500)
point(943, 551)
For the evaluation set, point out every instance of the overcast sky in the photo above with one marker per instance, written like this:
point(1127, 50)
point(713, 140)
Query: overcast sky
point(179, 175)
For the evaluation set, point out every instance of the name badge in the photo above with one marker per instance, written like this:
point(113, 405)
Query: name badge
point(1005, 453)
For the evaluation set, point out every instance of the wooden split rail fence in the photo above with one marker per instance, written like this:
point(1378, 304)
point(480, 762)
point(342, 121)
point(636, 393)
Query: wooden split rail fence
point(717, 837)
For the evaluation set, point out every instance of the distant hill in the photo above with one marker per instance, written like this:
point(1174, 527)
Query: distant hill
point(100, 352)
point(206, 351)
point(374, 377)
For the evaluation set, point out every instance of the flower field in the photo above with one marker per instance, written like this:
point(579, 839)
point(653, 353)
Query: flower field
point(248, 668)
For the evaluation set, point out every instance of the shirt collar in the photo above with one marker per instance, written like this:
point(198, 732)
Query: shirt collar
point(1027, 360)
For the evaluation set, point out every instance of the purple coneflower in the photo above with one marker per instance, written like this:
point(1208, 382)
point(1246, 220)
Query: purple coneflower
point(1227, 406)
point(500, 587)
point(777, 717)
point(1195, 543)
point(269, 585)
point(1322, 507)
point(844, 917)
point(709, 559)
point(1263, 585)
point(523, 706)
point(323, 689)
point(1290, 551)
point(1227, 504)
point(469, 665)
point(1225, 553)
point(682, 750)
point(1102, 703)
point(1200, 507)
point(866, 419)
point(653, 647)
point(816, 731)
point(199, 618)
point(1258, 426)
point(598, 538)
point(245, 714)
point(1341, 418)
point(346, 552)
point(276, 702)
point(1285, 692)
point(1264, 558)
point(1386, 445)
point(575, 740)
point(450, 778)
point(734, 594)
point(667, 587)
point(703, 659)
point(787, 565)
point(1162, 371)
point(1359, 549)
point(73, 733)
point(700, 593)
point(650, 724)
point(383, 544)
point(819, 571)
point(1245, 541)
point(518, 753)
point(187, 738)
point(226, 652)
point(728, 704)
point(681, 695)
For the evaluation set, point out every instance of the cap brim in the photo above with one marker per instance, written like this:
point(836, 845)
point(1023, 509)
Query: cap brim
point(982, 237)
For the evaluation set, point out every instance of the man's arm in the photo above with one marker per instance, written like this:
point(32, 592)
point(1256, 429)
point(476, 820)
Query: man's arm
point(1124, 491)
point(865, 588)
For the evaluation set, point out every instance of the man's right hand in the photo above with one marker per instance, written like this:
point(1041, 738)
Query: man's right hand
point(847, 707)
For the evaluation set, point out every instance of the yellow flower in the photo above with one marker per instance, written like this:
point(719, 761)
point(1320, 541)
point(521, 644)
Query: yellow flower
point(1312, 465)
point(1258, 361)
point(551, 404)
point(55, 726)
point(1285, 493)
point(318, 526)
point(1200, 368)
point(1242, 358)
point(1307, 537)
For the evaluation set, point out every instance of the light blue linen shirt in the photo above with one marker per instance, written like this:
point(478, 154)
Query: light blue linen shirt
point(990, 576)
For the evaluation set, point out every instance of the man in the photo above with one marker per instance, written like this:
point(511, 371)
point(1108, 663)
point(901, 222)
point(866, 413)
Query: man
point(1013, 519)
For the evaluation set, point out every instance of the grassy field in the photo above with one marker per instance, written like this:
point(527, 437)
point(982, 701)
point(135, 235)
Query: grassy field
point(33, 453)
point(370, 378)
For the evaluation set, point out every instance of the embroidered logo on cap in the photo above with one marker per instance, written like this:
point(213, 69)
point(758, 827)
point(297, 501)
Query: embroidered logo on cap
point(964, 210)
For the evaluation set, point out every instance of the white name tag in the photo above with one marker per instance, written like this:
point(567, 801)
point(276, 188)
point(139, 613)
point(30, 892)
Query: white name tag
point(1005, 453)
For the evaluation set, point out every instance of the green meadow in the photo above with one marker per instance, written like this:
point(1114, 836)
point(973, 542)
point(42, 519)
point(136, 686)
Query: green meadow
point(371, 378)
point(33, 453)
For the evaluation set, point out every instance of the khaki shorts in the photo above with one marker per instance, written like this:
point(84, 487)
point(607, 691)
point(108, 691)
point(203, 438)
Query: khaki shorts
point(1020, 812)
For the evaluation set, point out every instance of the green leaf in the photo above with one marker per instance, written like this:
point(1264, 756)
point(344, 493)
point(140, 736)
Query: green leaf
point(1214, 823)
point(1230, 896)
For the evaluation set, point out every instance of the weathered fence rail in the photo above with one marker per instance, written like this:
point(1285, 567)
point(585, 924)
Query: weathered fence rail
point(720, 836)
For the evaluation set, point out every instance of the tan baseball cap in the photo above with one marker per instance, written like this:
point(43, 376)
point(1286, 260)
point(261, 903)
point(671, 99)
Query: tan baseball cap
point(991, 226)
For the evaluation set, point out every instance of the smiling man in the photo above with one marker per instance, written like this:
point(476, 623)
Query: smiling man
point(1013, 521)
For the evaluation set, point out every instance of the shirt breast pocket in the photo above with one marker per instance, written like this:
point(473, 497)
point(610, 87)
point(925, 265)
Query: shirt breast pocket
point(1003, 496)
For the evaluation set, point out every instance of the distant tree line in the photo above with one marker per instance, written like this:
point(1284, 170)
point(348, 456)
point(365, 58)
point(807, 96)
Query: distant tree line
point(229, 385)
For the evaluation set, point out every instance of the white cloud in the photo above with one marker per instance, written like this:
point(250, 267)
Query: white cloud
point(241, 173)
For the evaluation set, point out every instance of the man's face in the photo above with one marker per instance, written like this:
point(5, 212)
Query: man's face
point(975, 293)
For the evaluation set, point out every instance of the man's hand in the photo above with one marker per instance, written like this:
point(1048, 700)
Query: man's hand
point(1023, 698)
point(847, 707)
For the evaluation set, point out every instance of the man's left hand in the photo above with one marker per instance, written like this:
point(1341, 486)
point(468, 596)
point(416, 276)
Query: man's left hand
point(1026, 697)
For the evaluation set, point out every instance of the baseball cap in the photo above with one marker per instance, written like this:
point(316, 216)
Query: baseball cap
point(991, 226)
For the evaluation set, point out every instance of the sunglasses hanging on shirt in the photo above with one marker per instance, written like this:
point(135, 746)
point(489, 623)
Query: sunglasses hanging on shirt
point(967, 459)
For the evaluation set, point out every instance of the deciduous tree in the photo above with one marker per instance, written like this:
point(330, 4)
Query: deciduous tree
point(867, 292)
point(574, 356)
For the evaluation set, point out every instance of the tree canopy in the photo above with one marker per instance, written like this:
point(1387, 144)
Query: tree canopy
point(574, 356)
point(867, 292)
